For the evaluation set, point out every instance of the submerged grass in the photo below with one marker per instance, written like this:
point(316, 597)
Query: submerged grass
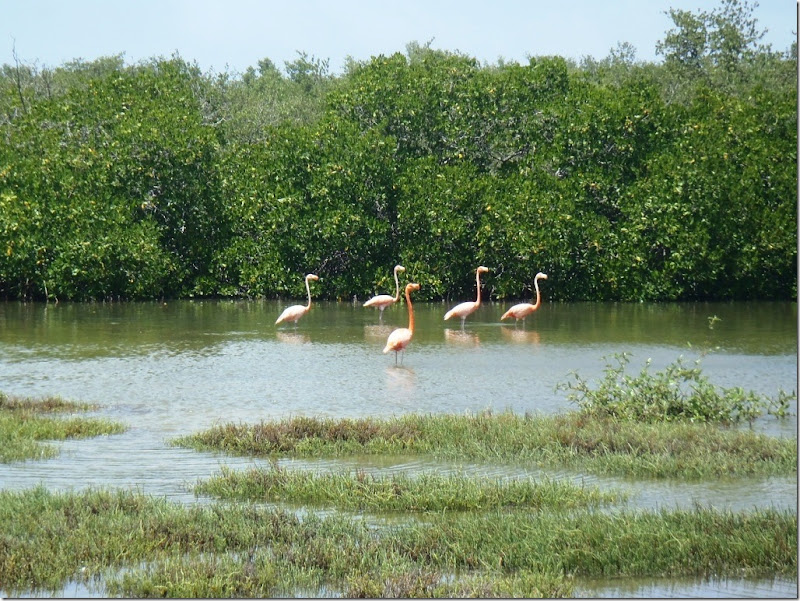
point(151, 547)
point(426, 492)
point(26, 422)
point(595, 444)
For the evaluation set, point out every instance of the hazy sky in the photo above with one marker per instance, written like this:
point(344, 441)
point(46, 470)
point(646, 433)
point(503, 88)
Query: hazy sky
point(234, 34)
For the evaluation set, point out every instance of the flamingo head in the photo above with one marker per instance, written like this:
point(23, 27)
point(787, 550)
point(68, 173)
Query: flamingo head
point(399, 268)
point(311, 276)
point(541, 276)
point(412, 288)
point(483, 269)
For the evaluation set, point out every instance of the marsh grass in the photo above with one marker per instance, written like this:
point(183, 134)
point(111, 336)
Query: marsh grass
point(426, 492)
point(26, 422)
point(595, 444)
point(144, 546)
point(50, 404)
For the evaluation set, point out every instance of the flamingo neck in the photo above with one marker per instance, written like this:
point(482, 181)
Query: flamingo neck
point(410, 311)
point(308, 289)
point(538, 297)
point(478, 280)
point(396, 287)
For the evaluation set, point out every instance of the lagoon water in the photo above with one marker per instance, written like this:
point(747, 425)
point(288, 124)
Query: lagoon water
point(172, 368)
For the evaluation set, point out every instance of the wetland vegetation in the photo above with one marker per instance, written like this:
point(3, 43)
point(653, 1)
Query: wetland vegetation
point(26, 424)
point(275, 531)
point(622, 180)
point(423, 493)
point(143, 546)
point(573, 440)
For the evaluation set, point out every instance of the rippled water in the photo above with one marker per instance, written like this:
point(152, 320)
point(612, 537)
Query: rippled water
point(167, 369)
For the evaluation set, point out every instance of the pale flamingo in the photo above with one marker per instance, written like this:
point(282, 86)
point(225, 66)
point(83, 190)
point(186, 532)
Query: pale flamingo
point(522, 310)
point(295, 312)
point(384, 300)
point(468, 307)
point(399, 339)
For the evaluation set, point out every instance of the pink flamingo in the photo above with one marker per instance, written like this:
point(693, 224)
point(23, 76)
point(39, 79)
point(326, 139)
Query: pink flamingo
point(468, 307)
point(522, 310)
point(399, 339)
point(295, 312)
point(384, 300)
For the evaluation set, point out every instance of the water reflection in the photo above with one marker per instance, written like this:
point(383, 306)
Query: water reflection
point(461, 337)
point(690, 587)
point(292, 337)
point(520, 336)
point(378, 333)
point(168, 369)
point(400, 378)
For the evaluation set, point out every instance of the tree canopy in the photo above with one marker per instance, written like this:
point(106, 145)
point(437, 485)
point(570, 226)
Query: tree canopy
point(621, 179)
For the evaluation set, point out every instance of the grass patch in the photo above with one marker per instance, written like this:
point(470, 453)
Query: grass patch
point(426, 492)
point(26, 422)
point(144, 546)
point(577, 440)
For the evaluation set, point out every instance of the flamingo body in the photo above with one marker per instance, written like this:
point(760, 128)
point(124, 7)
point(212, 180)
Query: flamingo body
point(385, 300)
point(522, 310)
point(400, 338)
point(463, 309)
point(295, 312)
point(292, 314)
point(381, 301)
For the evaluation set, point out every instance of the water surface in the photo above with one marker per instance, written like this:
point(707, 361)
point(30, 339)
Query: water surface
point(173, 368)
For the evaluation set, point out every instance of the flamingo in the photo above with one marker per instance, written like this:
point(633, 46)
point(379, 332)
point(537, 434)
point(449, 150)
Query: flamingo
point(295, 312)
point(522, 310)
point(399, 339)
point(468, 307)
point(384, 300)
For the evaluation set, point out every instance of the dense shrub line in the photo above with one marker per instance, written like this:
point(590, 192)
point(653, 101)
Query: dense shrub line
point(622, 180)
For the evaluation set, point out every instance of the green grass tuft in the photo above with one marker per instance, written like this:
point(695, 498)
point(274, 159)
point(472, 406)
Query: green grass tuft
point(144, 546)
point(576, 440)
point(26, 422)
point(426, 492)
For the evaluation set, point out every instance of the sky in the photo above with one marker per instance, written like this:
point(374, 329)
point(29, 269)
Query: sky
point(232, 35)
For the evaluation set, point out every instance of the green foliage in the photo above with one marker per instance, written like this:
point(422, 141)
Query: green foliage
point(110, 190)
point(25, 423)
point(678, 392)
point(622, 180)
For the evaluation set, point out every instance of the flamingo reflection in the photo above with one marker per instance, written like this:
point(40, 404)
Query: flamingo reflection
point(292, 337)
point(461, 337)
point(401, 378)
point(520, 336)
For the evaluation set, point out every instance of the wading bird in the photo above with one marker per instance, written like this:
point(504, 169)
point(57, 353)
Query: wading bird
point(522, 310)
point(295, 312)
point(384, 300)
point(468, 307)
point(399, 339)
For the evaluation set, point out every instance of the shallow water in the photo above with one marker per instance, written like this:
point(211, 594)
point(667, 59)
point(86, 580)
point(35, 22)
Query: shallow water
point(167, 369)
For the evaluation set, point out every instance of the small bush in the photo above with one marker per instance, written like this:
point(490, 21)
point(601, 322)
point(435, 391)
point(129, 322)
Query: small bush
point(679, 392)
